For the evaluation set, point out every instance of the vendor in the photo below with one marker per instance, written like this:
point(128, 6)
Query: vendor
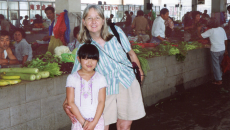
point(140, 24)
point(6, 55)
point(53, 41)
point(23, 50)
point(218, 39)
point(74, 44)
point(169, 25)
point(194, 25)
point(158, 29)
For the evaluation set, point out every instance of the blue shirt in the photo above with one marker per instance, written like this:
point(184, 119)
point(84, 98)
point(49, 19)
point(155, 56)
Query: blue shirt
point(113, 71)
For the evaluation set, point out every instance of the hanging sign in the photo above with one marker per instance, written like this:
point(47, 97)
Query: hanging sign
point(200, 2)
point(32, 7)
point(43, 7)
point(38, 7)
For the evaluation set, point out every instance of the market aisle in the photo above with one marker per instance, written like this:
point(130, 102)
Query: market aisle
point(206, 107)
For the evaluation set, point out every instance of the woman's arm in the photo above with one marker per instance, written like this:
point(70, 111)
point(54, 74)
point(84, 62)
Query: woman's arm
point(74, 109)
point(66, 108)
point(100, 108)
point(12, 58)
point(24, 59)
point(134, 58)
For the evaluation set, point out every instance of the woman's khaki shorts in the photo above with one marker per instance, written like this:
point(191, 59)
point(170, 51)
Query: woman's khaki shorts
point(127, 105)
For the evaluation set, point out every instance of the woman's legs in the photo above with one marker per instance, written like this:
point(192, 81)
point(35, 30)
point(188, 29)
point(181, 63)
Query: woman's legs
point(123, 124)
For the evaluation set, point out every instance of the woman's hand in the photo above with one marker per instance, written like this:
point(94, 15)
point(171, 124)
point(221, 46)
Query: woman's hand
point(90, 126)
point(66, 108)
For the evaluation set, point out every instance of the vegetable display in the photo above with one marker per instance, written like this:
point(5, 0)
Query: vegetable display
point(46, 62)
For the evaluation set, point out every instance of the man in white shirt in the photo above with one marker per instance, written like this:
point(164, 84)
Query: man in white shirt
point(158, 29)
point(218, 39)
point(132, 16)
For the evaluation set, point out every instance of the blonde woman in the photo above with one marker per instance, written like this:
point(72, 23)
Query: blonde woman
point(123, 95)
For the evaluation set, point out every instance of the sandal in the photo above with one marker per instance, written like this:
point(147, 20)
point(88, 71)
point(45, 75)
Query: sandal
point(217, 82)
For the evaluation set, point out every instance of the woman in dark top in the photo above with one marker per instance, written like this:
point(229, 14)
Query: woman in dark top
point(195, 25)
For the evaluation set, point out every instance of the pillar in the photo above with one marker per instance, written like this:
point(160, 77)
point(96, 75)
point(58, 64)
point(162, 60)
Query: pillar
point(218, 6)
point(145, 6)
point(194, 5)
point(74, 12)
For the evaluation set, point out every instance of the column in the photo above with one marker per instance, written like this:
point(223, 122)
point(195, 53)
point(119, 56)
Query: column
point(218, 6)
point(74, 12)
point(194, 5)
point(145, 6)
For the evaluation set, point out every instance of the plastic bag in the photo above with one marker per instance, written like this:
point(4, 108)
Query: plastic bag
point(60, 28)
point(68, 57)
point(67, 32)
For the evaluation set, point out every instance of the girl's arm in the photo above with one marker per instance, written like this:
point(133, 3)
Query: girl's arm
point(71, 103)
point(100, 108)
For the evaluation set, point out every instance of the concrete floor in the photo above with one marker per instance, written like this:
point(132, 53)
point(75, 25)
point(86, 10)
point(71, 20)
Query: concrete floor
point(206, 107)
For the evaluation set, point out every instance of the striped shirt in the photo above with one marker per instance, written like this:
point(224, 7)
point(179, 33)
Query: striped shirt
point(113, 71)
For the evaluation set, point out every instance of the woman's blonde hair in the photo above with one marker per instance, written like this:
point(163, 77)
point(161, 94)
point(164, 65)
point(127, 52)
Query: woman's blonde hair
point(84, 36)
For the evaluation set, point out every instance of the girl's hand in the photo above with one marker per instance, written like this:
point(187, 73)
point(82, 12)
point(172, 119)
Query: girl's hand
point(86, 122)
point(66, 108)
point(90, 126)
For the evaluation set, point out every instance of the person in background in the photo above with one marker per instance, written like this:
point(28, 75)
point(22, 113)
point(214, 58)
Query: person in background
point(194, 25)
point(227, 29)
point(158, 29)
point(222, 18)
point(18, 23)
point(51, 16)
point(132, 16)
point(169, 27)
point(140, 24)
point(128, 22)
point(109, 21)
point(218, 39)
point(187, 18)
point(147, 18)
point(74, 44)
point(23, 50)
point(26, 21)
point(37, 20)
point(6, 55)
point(54, 42)
point(5, 25)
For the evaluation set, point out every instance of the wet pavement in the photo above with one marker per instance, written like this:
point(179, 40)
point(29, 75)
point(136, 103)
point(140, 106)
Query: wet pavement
point(206, 107)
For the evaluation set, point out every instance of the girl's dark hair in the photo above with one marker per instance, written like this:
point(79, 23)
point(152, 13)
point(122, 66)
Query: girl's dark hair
point(21, 31)
point(76, 31)
point(88, 51)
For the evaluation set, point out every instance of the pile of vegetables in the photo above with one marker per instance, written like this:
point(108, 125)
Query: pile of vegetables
point(46, 62)
point(11, 76)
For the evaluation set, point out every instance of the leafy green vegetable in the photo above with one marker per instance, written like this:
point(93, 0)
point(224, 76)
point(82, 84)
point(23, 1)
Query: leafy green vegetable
point(174, 51)
point(68, 57)
point(144, 64)
point(45, 62)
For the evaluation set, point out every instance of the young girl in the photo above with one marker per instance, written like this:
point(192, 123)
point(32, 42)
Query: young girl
point(85, 91)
